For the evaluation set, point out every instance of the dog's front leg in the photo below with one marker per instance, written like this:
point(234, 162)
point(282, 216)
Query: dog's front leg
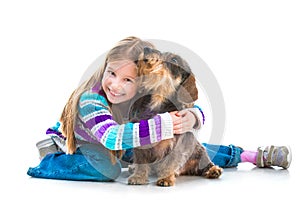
point(140, 175)
point(166, 181)
point(166, 169)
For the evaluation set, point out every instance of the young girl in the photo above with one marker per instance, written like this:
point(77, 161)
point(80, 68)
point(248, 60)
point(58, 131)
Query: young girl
point(95, 120)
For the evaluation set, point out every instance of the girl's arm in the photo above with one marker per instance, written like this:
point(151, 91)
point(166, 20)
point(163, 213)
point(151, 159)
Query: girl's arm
point(96, 124)
point(187, 119)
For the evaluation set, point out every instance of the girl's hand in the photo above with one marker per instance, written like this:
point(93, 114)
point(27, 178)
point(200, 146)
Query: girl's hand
point(183, 121)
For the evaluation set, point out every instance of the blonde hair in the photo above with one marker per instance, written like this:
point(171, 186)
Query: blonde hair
point(130, 48)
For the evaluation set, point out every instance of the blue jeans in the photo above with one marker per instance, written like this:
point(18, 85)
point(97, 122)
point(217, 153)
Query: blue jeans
point(224, 156)
point(90, 162)
point(93, 163)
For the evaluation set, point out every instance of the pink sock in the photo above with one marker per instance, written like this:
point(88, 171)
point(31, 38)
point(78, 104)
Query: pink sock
point(249, 156)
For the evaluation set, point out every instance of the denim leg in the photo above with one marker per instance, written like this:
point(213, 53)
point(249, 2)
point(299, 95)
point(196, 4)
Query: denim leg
point(224, 156)
point(128, 156)
point(89, 163)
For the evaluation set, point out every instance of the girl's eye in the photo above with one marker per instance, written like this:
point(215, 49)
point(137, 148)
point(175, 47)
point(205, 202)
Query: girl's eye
point(111, 73)
point(128, 80)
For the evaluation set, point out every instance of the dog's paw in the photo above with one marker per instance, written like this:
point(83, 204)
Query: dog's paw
point(137, 180)
point(166, 182)
point(213, 172)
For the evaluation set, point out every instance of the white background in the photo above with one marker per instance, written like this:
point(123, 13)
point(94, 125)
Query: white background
point(252, 48)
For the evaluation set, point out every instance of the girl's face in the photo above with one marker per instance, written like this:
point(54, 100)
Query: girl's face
point(119, 81)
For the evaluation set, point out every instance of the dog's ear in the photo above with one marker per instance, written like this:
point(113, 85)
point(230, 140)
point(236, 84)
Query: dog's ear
point(188, 92)
point(149, 51)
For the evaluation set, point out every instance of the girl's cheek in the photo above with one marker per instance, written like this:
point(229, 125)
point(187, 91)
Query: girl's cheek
point(132, 87)
point(134, 91)
point(105, 81)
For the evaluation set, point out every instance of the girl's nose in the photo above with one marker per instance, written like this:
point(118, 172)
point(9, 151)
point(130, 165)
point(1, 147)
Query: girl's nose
point(116, 83)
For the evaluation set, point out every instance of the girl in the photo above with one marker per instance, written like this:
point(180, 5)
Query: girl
point(95, 120)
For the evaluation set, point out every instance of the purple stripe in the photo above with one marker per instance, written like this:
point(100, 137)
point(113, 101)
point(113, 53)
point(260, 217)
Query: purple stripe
point(96, 88)
point(100, 132)
point(203, 117)
point(157, 120)
point(98, 119)
point(85, 135)
point(51, 131)
point(144, 132)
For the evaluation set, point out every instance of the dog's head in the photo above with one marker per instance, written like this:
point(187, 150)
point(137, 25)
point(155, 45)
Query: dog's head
point(165, 75)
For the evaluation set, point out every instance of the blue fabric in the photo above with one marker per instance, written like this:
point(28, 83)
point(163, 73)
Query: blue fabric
point(89, 163)
point(224, 156)
point(128, 156)
point(93, 163)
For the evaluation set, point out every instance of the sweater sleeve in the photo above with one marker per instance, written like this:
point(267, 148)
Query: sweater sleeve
point(199, 115)
point(97, 124)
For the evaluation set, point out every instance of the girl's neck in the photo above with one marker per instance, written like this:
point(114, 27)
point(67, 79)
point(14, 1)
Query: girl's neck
point(121, 112)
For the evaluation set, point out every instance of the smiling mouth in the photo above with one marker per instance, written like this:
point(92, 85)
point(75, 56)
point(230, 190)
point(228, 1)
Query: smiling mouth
point(115, 94)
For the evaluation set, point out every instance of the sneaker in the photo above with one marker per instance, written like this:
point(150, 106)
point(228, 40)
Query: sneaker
point(269, 156)
point(47, 146)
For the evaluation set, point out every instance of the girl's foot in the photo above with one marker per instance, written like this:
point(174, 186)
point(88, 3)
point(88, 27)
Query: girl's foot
point(47, 146)
point(269, 156)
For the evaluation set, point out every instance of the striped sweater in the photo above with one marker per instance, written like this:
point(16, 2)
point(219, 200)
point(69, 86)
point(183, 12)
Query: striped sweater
point(95, 124)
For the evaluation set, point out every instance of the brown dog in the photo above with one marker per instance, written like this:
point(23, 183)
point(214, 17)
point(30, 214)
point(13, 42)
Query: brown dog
point(167, 84)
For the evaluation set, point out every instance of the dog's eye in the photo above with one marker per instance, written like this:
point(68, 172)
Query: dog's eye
point(174, 60)
point(145, 60)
